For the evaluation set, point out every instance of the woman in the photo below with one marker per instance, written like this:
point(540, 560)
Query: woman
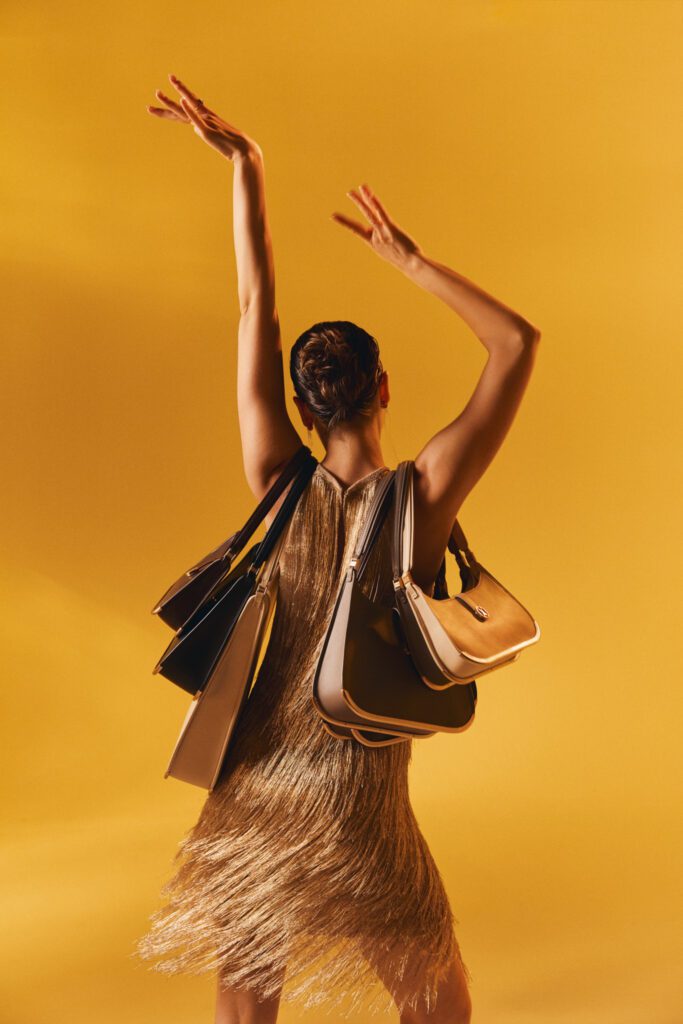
point(307, 860)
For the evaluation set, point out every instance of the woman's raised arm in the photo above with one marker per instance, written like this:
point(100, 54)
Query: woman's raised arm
point(452, 461)
point(455, 458)
point(268, 435)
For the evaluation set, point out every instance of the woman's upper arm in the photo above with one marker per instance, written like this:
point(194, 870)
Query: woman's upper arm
point(268, 435)
point(455, 458)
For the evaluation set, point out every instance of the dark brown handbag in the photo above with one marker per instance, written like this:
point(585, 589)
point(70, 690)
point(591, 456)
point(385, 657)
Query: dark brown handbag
point(192, 654)
point(365, 680)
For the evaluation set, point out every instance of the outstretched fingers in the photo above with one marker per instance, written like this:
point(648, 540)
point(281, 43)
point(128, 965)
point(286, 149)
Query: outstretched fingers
point(372, 198)
point(358, 229)
point(201, 108)
point(192, 112)
point(172, 111)
point(185, 91)
point(365, 207)
point(364, 201)
point(164, 113)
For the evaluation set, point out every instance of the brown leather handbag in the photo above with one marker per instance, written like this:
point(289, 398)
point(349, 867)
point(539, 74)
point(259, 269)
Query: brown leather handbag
point(456, 639)
point(365, 681)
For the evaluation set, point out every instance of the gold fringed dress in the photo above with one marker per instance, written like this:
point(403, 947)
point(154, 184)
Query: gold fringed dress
point(307, 857)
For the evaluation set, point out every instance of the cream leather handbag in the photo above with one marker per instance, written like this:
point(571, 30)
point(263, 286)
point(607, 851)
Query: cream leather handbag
point(210, 721)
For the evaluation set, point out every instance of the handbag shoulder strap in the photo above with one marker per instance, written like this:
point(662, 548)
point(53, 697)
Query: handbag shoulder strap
point(300, 458)
point(303, 475)
point(403, 529)
point(228, 549)
point(272, 561)
point(264, 549)
point(376, 515)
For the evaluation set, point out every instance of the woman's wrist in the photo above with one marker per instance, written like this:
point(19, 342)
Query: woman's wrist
point(412, 264)
point(250, 156)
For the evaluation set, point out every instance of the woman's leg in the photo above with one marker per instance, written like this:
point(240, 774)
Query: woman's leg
point(453, 1002)
point(240, 1006)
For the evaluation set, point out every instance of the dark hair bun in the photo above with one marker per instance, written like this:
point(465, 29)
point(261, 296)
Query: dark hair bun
point(335, 368)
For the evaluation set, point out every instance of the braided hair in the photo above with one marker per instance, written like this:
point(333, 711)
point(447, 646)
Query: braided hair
point(336, 369)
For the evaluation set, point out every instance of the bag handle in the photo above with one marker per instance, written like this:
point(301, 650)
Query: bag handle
point(272, 535)
point(373, 522)
point(403, 531)
point(304, 474)
point(272, 560)
point(237, 540)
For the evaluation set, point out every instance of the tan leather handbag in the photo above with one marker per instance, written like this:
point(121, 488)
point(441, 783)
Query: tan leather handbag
point(459, 638)
point(365, 680)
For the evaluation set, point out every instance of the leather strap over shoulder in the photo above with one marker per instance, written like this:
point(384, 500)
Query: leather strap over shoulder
point(230, 548)
point(404, 525)
point(291, 468)
point(269, 544)
point(376, 514)
point(402, 546)
point(304, 474)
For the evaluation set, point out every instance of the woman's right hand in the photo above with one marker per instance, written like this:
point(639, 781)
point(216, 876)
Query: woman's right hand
point(227, 140)
point(382, 235)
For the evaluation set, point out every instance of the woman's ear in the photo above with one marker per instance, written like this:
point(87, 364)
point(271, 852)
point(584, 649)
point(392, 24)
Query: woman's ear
point(384, 395)
point(304, 412)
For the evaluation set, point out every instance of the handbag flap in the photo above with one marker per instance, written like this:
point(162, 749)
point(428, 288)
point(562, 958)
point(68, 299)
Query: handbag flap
point(487, 619)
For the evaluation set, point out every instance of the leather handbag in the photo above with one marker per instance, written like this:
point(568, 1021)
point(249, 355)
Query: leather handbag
point(459, 638)
point(210, 722)
point(365, 681)
point(189, 590)
point(198, 642)
point(216, 650)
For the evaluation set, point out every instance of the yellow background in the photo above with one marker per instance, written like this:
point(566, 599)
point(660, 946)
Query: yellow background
point(531, 146)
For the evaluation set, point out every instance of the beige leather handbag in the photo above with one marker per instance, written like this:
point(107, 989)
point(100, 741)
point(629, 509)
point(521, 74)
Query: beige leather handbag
point(210, 721)
point(457, 639)
point(365, 681)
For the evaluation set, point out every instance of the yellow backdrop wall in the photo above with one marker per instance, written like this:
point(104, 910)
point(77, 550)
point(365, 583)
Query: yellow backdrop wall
point(532, 147)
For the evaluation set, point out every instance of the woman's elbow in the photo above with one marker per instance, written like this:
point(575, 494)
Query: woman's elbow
point(525, 335)
point(530, 334)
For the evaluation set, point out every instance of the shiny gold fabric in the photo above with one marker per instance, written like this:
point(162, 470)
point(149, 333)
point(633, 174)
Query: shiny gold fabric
point(307, 855)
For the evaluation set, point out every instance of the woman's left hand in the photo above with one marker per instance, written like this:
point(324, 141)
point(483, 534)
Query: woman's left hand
point(382, 233)
point(227, 140)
